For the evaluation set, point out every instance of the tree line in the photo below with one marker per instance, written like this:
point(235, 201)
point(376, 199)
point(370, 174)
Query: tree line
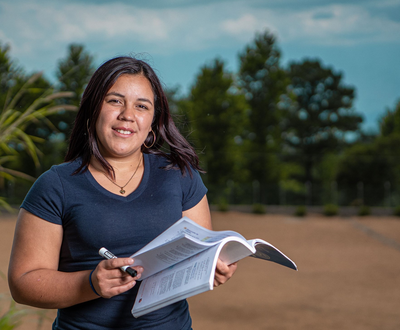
point(268, 133)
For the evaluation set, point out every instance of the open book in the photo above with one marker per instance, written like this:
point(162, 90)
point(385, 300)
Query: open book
point(181, 262)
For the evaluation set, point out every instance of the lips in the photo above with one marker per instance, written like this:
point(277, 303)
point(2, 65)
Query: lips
point(124, 131)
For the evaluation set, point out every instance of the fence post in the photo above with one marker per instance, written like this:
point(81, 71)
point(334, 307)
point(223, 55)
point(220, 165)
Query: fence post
point(334, 194)
point(282, 195)
point(308, 193)
point(388, 198)
point(231, 192)
point(256, 191)
point(360, 191)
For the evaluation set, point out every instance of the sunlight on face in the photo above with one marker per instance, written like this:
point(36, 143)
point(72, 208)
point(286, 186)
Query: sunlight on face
point(125, 117)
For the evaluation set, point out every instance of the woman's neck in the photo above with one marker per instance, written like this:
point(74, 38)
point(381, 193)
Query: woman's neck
point(120, 165)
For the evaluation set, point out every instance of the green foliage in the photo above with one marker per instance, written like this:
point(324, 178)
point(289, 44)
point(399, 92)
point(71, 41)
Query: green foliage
point(372, 163)
point(281, 127)
point(264, 83)
point(216, 114)
point(14, 127)
point(13, 316)
point(396, 211)
point(300, 211)
point(259, 208)
point(364, 210)
point(9, 74)
point(73, 73)
point(331, 210)
point(390, 122)
point(223, 205)
point(316, 123)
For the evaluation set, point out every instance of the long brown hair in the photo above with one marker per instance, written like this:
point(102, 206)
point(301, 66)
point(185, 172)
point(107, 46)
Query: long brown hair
point(83, 140)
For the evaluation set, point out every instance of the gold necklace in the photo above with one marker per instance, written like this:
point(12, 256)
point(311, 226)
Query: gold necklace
point(122, 191)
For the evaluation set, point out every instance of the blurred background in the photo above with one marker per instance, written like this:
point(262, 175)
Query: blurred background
point(294, 109)
point(287, 103)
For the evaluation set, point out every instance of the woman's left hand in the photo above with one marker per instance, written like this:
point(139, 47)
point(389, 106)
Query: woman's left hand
point(223, 272)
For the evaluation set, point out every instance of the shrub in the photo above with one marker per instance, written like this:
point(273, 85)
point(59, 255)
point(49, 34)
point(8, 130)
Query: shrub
point(364, 210)
point(331, 210)
point(259, 209)
point(396, 211)
point(300, 211)
point(223, 205)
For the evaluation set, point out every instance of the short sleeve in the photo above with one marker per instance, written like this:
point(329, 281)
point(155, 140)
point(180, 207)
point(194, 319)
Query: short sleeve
point(45, 198)
point(193, 189)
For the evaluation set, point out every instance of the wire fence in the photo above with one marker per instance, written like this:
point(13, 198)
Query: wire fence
point(384, 194)
point(309, 194)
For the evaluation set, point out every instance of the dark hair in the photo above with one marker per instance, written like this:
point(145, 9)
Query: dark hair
point(83, 140)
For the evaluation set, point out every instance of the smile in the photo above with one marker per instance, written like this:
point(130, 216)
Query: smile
point(123, 131)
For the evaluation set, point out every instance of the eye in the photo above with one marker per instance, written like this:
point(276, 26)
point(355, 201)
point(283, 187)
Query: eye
point(142, 106)
point(114, 101)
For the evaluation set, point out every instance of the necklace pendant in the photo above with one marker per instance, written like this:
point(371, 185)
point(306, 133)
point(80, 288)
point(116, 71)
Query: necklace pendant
point(122, 191)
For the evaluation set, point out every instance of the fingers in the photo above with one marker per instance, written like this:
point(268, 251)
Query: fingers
point(109, 280)
point(223, 272)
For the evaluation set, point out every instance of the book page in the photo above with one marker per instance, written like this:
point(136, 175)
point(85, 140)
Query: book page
point(183, 280)
point(188, 227)
point(182, 240)
point(168, 254)
point(267, 251)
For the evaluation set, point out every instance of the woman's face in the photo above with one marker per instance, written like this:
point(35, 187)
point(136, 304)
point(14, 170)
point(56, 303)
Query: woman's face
point(125, 117)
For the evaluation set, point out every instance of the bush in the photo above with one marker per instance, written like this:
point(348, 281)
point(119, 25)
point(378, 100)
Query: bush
point(301, 211)
point(259, 209)
point(364, 210)
point(331, 210)
point(223, 205)
point(396, 211)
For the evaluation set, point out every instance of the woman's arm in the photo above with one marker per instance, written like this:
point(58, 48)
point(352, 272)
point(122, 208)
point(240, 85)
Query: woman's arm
point(200, 214)
point(33, 273)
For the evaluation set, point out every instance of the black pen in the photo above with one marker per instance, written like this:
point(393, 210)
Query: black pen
point(108, 255)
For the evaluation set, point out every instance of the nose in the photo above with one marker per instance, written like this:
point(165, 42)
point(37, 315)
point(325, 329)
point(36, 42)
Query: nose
point(127, 113)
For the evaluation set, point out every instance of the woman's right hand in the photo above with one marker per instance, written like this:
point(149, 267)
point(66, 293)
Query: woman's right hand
point(109, 280)
point(34, 278)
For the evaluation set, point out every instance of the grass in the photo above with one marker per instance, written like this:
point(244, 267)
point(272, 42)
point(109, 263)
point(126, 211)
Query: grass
point(14, 315)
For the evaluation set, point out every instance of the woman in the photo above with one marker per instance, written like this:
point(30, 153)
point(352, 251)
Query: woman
point(117, 189)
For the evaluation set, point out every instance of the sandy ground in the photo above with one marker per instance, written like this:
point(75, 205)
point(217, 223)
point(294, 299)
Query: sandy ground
point(348, 278)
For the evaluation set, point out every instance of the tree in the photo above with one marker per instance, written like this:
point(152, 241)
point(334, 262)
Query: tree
point(264, 83)
point(8, 74)
point(317, 124)
point(216, 114)
point(14, 122)
point(73, 73)
point(390, 123)
point(26, 101)
point(373, 165)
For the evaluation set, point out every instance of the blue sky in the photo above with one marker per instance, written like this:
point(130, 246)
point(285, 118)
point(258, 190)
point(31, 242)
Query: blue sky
point(360, 38)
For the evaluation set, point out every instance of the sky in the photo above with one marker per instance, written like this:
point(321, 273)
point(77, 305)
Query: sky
point(359, 38)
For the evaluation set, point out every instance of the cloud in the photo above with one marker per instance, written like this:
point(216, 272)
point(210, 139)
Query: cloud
point(244, 24)
point(35, 26)
point(344, 24)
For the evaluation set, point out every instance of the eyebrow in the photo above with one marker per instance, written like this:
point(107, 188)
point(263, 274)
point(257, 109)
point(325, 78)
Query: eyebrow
point(145, 100)
point(142, 99)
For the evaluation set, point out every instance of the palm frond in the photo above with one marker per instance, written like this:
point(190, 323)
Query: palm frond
point(13, 124)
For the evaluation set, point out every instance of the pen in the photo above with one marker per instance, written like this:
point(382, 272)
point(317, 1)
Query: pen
point(108, 255)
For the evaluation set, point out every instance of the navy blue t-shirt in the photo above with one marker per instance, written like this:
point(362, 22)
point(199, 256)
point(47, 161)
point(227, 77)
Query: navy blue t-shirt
point(93, 217)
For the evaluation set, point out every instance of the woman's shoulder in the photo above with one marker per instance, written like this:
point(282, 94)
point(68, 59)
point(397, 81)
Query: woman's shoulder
point(66, 168)
point(158, 161)
point(60, 171)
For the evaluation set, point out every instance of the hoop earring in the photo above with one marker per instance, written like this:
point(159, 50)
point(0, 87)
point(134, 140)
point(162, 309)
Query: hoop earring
point(87, 125)
point(154, 141)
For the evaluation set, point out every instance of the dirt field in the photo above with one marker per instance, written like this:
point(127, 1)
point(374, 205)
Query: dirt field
point(348, 278)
